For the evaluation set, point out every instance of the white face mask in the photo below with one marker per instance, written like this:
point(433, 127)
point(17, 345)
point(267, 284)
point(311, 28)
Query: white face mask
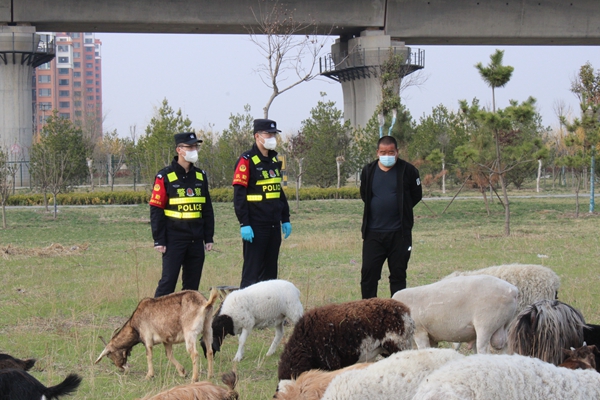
point(191, 156)
point(387, 161)
point(270, 143)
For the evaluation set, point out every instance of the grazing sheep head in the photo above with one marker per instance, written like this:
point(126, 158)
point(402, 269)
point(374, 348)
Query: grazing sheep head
point(222, 326)
point(584, 353)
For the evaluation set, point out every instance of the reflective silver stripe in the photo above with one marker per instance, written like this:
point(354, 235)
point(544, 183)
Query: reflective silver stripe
point(269, 181)
point(187, 200)
point(183, 215)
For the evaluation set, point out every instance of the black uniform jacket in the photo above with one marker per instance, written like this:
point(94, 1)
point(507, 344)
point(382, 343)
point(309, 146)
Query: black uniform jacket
point(188, 220)
point(258, 197)
point(408, 197)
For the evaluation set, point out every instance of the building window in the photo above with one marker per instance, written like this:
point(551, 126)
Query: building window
point(76, 54)
point(63, 71)
point(63, 93)
point(97, 68)
point(97, 76)
point(64, 104)
point(77, 94)
point(97, 90)
point(90, 98)
point(89, 90)
point(65, 115)
point(89, 57)
point(63, 82)
point(97, 97)
point(87, 41)
point(44, 66)
point(88, 65)
point(77, 103)
point(45, 106)
point(77, 84)
point(89, 73)
point(44, 78)
point(77, 64)
point(45, 92)
point(76, 74)
point(78, 113)
point(97, 83)
point(63, 48)
point(63, 60)
point(75, 35)
point(89, 81)
point(76, 45)
point(88, 49)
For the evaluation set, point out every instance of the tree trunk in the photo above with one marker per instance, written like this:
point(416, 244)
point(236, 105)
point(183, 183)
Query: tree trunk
point(46, 200)
point(503, 185)
point(485, 200)
point(3, 216)
point(443, 177)
point(55, 205)
point(539, 174)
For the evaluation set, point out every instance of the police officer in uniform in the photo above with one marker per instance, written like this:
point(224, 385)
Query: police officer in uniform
point(260, 205)
point(181, 216)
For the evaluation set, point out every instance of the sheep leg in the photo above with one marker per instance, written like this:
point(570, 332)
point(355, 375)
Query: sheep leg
point(421, 339)
point(240, 351)
point(207, 333)
point(150, 373)
point(169, 352)
point(277, 339)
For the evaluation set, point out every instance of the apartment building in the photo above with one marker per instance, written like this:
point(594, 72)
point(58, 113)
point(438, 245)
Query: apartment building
point(71, 83)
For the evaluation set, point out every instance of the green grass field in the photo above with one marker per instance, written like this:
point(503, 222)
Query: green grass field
point(65, 282)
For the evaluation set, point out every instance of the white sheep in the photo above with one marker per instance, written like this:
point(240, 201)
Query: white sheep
point(508, 377)
point(462, 309)
point(258, 306)
point(396, 377)
point(535, 282)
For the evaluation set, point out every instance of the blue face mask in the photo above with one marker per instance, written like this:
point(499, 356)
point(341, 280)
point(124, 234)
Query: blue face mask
point(387, 161)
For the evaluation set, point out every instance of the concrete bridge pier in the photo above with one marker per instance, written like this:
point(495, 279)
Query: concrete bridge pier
point(355, 63)
point(21, 50)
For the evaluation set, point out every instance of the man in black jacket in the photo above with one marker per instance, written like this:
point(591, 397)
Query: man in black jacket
point(390, 187)
point(182, 218)
point(260, 205)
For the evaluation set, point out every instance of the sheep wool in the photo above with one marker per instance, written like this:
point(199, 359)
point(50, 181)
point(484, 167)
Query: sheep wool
point(508, 377)
point(396, 377)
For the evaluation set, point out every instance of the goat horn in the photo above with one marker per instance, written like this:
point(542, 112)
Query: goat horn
point(103, 341)
point(104, 352)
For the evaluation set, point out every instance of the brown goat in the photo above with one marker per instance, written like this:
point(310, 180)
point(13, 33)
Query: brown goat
point(310, 385)
point(174, 318)
point(582, 358)
point(201, 391)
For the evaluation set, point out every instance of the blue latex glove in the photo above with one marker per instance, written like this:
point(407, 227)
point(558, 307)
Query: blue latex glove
point(286, 228)
point(247, 233)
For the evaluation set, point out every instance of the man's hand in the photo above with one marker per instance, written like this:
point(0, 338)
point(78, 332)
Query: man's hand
point(161, 249)
point(208, 246)
point(286, 228)
point(247, 233)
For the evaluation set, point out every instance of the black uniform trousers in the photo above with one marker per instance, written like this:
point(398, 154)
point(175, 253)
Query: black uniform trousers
point(377, 247)
point(260, 256)
point(186, 255)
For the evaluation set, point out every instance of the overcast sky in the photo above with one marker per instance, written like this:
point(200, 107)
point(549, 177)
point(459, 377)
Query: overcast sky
point(212, 76)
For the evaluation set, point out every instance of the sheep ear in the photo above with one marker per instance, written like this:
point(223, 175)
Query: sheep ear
point(572, 348)
point(104, 352)
point(584, 344)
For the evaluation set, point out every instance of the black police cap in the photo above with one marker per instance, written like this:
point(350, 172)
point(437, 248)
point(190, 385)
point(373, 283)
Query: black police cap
point(186, 138)
point(265, 125)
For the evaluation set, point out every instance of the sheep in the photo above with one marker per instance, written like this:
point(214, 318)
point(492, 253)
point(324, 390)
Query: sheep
point(462, 309)
point(16, 384)
point(544, 328)
point(535, 282)
point(7, 361)
point(201, 391)
point(507, 377)
point(261, 305)
point(397, 377)
point(311, 385)
point(591, 335)
point(169, 319)
point(338, 335)
point(581, 358)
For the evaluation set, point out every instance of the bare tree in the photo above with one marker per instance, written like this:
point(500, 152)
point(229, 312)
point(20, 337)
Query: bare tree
point(291, 49)
point(113, 148)
point(7, 178)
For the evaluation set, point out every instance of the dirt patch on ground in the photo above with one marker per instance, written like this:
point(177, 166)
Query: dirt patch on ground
point(54, 250)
